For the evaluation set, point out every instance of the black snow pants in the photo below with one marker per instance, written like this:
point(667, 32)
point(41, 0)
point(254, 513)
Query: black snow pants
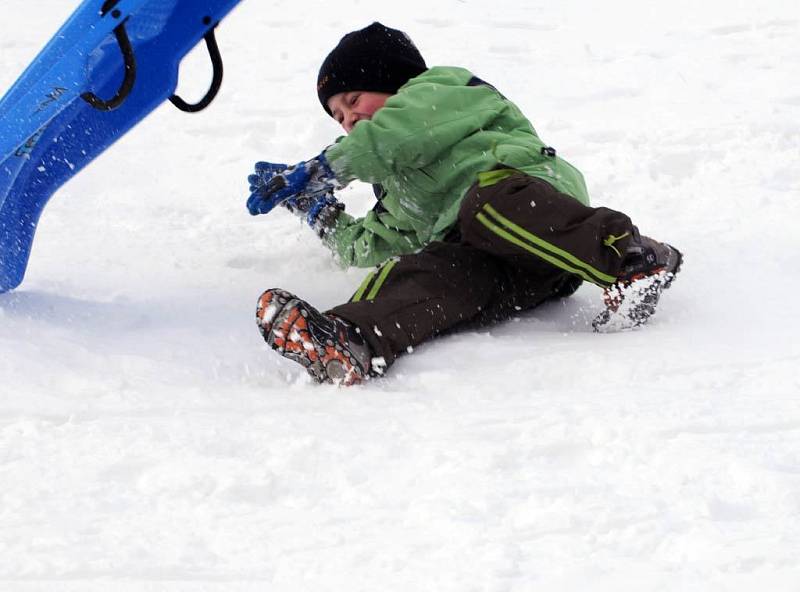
point(517, 244)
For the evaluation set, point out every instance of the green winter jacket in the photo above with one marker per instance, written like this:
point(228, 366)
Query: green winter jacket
point(426, 146)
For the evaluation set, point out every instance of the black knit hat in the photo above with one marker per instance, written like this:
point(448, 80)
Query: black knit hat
point(375, 58)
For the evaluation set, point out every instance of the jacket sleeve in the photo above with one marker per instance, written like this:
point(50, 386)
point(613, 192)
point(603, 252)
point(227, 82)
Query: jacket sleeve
point(415, 126)
point(371, 240)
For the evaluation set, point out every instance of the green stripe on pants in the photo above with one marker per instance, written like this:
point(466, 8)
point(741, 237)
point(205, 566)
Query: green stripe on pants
point(530, 242)
point(363, 287)
point(378, 283)
point(381, 279)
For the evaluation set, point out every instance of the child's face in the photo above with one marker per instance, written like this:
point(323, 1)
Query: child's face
point(348, 108)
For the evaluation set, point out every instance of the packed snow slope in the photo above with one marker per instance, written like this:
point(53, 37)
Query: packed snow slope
point(150, 441)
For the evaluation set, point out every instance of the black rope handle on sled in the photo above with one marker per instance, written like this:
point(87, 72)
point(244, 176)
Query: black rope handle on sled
point(216, 81)
point(126, 48)
point(130, 74)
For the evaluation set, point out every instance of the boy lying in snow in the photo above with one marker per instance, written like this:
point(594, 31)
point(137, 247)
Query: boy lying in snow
point(476, 217)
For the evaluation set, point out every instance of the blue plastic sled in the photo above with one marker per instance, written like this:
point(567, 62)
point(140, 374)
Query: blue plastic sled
point(111, 64)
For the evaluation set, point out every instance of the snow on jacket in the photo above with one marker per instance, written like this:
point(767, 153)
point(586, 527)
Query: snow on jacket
point(426, 146)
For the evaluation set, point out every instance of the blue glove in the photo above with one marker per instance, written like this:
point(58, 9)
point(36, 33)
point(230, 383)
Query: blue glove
point(272, 185)
point(264, 172)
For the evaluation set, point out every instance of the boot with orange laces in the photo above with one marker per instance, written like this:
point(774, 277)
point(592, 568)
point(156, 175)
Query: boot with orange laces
point(329, 348)
point(648, 268)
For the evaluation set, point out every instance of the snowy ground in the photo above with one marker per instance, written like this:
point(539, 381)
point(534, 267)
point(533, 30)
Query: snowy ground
point(149, 441)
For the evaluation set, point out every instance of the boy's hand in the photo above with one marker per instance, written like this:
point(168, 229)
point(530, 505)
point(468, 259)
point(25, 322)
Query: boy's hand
point(264, 171)
point(273, 184)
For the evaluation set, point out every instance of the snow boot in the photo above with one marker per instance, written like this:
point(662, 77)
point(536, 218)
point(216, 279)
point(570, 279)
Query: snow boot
point(329, 348)
point(648, 268)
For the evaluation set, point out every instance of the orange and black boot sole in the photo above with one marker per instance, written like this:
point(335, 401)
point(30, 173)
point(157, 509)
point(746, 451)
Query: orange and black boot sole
point(320, 343)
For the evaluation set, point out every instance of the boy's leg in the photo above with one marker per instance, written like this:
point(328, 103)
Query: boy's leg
point(405, 302)
point(528, 223)
point(411, 298)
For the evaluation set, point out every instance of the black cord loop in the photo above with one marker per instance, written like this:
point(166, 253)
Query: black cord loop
point(216, 82)
point(130, 75)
